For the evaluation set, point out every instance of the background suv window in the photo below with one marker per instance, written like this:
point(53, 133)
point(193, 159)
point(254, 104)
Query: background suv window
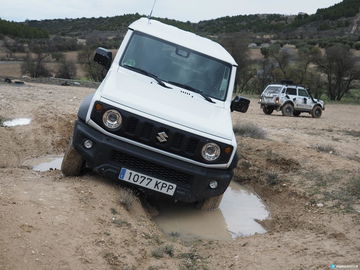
point(291, 91)
point(303, 93)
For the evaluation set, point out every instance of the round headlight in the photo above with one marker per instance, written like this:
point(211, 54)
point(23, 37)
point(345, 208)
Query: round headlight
point(112, 119)
point(210, 151)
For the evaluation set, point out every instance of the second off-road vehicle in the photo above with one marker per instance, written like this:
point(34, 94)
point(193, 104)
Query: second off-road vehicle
point(290, 99)
point(161, 119)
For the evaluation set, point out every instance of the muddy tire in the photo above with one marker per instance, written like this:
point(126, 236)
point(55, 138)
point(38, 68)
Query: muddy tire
point(297, 113)
point(268, 110)
point(287, 109)
point(73, 163)
point(316, 112)
point(209, 204)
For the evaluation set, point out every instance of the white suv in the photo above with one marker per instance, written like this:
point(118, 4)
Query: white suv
point(160, 120)
point(290, 99)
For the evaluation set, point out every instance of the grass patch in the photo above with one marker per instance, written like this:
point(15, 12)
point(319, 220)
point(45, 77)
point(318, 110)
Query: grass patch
point(160, 252)
point(354, 158)
point(325, 148)
point(175, 234)
point(343, 197)
point(120, 222)
point(192, 261)
point(354, 187)
point(127, 198)
point(2, 120)
point(114, 211)
point(354, 133)
point(351, 97)
point(249, 130)
point(273, 179)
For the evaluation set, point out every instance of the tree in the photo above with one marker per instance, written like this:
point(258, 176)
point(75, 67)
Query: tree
point(307, 55)
point(66, 69)
point(340, 67)
point(35, 67)
point(237, 47)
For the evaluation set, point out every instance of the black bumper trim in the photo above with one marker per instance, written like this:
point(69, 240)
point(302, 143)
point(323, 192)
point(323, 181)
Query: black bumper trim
point(108, 155)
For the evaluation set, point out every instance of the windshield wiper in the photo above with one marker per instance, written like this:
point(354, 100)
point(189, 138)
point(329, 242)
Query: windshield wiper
point(142, 71)
point(188, 87)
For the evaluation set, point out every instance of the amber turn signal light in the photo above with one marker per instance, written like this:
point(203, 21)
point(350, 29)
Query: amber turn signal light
point(98, 107)
point(228, 149)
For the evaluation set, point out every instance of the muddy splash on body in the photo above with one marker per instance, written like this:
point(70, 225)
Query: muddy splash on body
point(237, 216)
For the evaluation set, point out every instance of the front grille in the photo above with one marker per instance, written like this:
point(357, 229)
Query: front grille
point(146, 131)
point(152, 169)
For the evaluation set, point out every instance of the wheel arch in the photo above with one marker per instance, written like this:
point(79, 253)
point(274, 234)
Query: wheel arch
point(84, 107)
point(287, 102)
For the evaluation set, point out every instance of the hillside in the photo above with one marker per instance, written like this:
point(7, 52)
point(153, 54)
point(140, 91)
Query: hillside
point(340, 19)
point(19, 30)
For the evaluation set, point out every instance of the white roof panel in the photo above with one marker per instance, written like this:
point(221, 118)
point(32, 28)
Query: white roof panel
point(186, 39)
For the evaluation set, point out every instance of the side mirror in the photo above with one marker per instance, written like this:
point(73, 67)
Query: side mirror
point(240, 104)
point(103, 57)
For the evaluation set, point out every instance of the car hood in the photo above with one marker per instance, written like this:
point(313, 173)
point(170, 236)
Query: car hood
point(176, 105)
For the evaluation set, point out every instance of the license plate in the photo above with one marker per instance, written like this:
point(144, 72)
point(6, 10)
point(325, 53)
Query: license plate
point(147, 181)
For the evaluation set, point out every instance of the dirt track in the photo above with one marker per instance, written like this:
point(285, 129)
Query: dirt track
point(51, 222)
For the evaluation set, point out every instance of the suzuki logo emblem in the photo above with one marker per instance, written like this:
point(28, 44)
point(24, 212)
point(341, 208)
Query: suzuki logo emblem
point(162, 137)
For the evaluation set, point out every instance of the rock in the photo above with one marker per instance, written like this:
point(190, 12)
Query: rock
point(320, 205)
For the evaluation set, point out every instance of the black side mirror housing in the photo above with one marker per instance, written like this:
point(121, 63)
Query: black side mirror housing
point(103, 57)
point(240, 104)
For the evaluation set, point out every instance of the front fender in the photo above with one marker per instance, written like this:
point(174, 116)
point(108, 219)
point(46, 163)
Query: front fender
point(84, 107)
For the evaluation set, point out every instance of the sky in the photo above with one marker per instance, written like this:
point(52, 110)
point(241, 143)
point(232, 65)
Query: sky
point(184, 10)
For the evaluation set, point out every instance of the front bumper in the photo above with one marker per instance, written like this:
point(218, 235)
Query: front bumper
point(108, 156)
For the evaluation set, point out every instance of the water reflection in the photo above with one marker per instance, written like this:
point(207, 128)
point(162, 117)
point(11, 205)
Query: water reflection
point(235, 217)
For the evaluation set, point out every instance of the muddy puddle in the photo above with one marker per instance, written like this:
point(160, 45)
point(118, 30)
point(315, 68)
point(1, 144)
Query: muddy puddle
point(45, 163)
point(16, 122)
point(236, 217)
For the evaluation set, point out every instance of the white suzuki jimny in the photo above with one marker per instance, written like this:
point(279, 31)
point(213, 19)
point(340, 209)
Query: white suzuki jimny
point(160, 120)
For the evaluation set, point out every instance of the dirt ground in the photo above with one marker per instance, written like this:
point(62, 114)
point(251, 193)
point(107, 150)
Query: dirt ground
point(305, 170)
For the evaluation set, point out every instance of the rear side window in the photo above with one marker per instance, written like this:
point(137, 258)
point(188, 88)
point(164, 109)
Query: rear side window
point(291, 91)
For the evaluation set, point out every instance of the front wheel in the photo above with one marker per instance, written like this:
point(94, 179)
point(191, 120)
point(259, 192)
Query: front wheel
point(73, 163)
point(316, 112)
point(288, 109)
point(211, 203)
point(268, 110)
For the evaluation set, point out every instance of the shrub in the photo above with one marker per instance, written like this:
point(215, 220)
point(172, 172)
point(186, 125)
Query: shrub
point(325, 148)
point(354, 187)
point(66, 70)
point(35, 67)
point(127, 198)
point(249, 130)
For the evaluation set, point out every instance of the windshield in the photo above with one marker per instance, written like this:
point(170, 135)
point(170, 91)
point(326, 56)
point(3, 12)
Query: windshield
point(273, 90)
point(177, 65)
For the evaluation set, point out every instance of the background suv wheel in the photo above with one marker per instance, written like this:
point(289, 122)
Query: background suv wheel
point(288, 109)
point(316, 112)
point(268, 110)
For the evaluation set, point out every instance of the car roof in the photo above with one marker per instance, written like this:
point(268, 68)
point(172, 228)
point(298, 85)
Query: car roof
point(289, 85)
point(183, 38)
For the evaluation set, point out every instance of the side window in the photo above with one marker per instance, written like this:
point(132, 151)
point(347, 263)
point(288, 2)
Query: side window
point(303, 92)
point(291, 91)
